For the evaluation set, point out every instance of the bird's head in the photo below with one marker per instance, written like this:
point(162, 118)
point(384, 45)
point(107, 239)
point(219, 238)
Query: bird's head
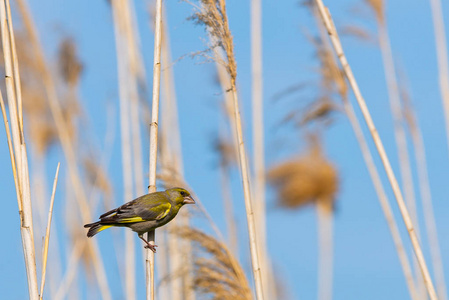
point(180, 196)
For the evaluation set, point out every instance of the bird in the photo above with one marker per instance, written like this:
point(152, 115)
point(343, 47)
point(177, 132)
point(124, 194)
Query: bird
point(144, 213)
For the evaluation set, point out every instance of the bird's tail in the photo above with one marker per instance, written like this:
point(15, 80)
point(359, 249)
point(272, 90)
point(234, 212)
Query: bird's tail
point(95, 228)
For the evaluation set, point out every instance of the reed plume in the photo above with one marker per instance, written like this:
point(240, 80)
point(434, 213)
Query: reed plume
point(217, 274)
point(305, 180)
point(212, 14)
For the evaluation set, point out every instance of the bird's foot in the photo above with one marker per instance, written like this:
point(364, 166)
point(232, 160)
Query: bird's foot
point(151, 247)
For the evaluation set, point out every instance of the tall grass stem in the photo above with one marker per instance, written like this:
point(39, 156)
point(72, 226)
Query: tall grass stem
point(330, 27)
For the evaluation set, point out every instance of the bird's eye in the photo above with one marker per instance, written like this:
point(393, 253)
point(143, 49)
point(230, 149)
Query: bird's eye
point(183, 193)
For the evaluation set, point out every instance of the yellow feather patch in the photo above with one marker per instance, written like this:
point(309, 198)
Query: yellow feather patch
point(165, 213)
point(131, 220)
point(103, 227)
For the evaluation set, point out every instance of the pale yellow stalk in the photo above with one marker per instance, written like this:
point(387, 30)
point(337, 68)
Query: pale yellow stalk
point(47, 234)
point(443, 74)
point(395, 103)
point(171, 161)
point(11, 96)
point(383, 200)
point(247, 194)
point(66, 143)
point(125, 78)
point(399, 133)
point(137, 72)
point(217, 12)
point(10, 148)
point(426, 197)
point(225, 83)
point(19, 160)
point(330, 27)
point(154, 140)
point(15, 64)
point(442, 59)
point(258, 141)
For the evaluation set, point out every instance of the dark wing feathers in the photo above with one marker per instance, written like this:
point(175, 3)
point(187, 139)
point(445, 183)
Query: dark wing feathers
point(108, 213)
point(138, 210)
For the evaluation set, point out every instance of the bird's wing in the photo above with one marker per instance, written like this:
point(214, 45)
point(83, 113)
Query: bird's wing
point(140, 214)
point(138, 210)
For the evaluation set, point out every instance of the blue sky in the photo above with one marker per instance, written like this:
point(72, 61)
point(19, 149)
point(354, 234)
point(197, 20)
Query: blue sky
point(365, 261)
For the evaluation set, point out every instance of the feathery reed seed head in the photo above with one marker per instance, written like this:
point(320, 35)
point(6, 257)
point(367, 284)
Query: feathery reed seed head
point(212, 15)
point(304, 180)
point(217, 274)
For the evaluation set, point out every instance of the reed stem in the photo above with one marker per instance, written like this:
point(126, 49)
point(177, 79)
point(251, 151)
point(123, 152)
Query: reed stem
point(17, 147)
point(154, 139)
point(332, 32)
point(47, 234)
point(258, 140)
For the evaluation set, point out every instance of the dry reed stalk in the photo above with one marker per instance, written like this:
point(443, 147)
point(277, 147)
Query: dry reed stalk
point(16, 140)
point(443, 64)
point(258, 142)
point(154, 140)
point(213, 15)
point(10, 148)
point(398, 119)
point(15, 62)
point(126, 79)
point(136, 69)
point(332, 32)
point(395, 104)
point(247, 194)
point(330, 64)
point(171, 163)
point(325, 253)
point(217, 273)
point(426, 196)
point(64, 135)
point(227, 151)
point(47, 234)
point(443, 70)
point(169, 168)
point(383, 200)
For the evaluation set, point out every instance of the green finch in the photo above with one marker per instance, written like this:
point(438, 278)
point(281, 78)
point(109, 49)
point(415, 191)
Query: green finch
point(144, 214)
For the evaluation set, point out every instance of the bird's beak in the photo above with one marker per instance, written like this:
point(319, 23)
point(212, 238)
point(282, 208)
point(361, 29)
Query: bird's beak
point(188, 200)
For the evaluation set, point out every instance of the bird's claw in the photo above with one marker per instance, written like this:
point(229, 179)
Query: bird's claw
point(151, 247)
